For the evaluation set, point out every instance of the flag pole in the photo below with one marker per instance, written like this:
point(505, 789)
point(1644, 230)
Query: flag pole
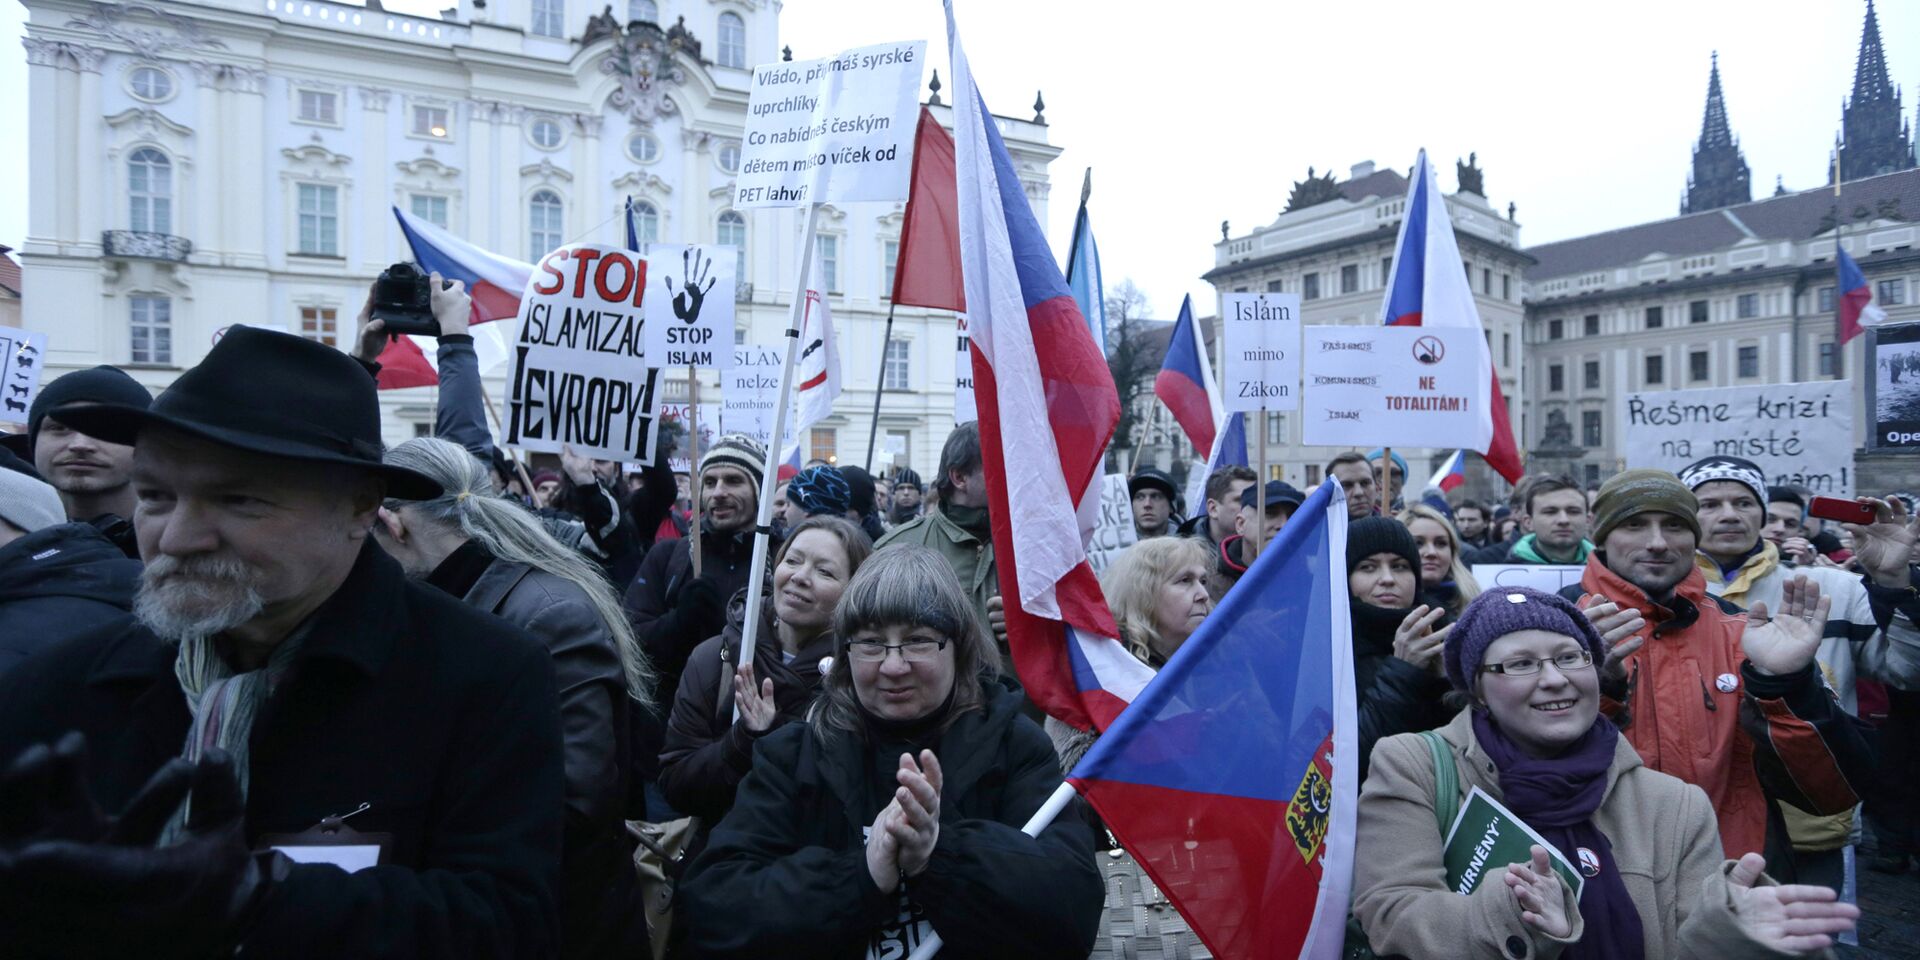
point(880, 380)
point(1041, 819)
point(1260, 490)
point(1386, 481)
point(1153, 416)
point(521, 468)
point(693, 460)
point(763, 526)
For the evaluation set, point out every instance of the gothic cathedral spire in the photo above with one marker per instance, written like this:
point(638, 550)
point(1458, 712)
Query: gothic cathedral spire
point(1875, 137)
point(1720, 174)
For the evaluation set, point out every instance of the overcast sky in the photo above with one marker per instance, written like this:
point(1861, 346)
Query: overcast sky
point(1193, 113)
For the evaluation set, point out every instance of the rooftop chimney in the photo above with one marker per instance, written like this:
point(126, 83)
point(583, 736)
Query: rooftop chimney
point(1362, 169)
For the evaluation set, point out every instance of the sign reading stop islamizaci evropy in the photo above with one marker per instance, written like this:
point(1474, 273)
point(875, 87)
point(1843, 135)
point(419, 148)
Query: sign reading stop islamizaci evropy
point(837, 129)
point(1799, 434)
point(1397, 387)
point(580, 376)
point(1262, 367)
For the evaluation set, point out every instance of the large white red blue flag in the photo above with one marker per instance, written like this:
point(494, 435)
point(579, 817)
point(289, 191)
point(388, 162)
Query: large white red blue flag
point(1428, 288)
point(494, 282)
point(1047, 409)
point(1233, 778)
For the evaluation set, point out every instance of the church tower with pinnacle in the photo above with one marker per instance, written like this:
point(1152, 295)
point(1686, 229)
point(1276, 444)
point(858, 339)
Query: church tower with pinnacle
point(1874, 136)
point(1720, 175)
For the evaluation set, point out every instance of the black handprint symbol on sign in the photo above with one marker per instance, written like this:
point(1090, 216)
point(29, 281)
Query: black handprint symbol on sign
point(690, 295)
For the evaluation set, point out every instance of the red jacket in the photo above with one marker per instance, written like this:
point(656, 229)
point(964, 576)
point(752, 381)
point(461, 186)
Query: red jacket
point(1695, 709)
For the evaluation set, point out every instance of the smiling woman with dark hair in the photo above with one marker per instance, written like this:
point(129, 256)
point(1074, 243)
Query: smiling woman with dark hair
point(896, 810)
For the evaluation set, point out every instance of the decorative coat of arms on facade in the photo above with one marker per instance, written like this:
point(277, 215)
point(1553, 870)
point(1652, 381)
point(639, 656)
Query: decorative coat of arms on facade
point(643, 60)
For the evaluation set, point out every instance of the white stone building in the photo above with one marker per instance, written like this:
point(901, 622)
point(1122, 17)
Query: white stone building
point(1334, 247)
point(196, 164)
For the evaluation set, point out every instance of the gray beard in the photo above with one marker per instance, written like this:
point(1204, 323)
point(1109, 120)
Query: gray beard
point(182, 600)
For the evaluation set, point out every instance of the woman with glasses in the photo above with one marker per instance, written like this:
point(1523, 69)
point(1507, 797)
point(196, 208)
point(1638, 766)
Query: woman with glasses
point(896, 810)
point(1646, 844)
point(709, 743)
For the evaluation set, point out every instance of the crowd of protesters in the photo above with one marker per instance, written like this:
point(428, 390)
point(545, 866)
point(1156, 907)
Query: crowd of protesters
point(427, 702)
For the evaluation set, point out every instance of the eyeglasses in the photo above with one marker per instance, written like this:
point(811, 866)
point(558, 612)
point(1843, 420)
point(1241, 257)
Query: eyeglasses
point(913, 651)
point(1528, 666)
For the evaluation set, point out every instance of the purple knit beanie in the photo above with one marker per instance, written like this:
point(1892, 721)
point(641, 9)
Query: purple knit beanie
point(1504, 610)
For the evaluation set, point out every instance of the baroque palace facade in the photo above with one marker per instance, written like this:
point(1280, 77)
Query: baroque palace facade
point(199, 164)
point(1733, 291)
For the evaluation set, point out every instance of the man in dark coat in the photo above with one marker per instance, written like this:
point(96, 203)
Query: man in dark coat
point(90, 473)
point(672, 609)
point(310, 682)
point(56, 579)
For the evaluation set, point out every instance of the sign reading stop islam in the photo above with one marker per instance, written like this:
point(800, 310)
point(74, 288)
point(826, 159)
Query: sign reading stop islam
point(1397, 387)
point(690, 314)
point(1262, 368)
point(580, 377)
point(837, 129)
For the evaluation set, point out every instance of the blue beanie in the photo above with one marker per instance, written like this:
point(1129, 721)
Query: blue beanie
point(1505, 610)
point(1398, 460)
point(821, 490)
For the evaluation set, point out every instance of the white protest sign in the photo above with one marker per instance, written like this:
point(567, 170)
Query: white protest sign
point(1262, 369)
point(24, 355)
point(749, 391)
point(1546, 578)
point(1397, 387)
point(1798, 433)
point(964, 409)
point(833, 130)
point(580, 377)
point(686, 325)
point(1115, 531)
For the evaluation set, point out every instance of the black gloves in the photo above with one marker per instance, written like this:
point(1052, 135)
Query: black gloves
point(76, 883)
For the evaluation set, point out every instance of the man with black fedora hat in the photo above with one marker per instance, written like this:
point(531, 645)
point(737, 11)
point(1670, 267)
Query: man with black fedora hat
point(1152, 492)
point(374, 768)
point(91, 474)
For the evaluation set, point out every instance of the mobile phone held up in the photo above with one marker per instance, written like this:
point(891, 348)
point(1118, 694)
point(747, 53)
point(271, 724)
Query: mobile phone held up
point(1845, 511)
point(403, 299)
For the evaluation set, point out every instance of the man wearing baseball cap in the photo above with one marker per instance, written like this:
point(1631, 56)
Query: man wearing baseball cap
point(1152, 493)
point(1238, 552)
point(1726, 700)
point(287, 676)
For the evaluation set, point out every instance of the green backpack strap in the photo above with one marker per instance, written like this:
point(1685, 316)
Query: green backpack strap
point(1446, 780)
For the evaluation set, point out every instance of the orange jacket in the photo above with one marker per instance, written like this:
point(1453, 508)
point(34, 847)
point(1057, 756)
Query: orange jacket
point(1695, 709)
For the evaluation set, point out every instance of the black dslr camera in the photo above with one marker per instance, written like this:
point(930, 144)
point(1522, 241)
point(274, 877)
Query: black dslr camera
point(402, 297)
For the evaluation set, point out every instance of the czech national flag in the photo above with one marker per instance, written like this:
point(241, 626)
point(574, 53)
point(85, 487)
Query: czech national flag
point(1442, 297)
point(1233, 778)
point(1452, 473)
point(1185, 382)
point(494, 282)
point(1047, 409)
point(1855, 303)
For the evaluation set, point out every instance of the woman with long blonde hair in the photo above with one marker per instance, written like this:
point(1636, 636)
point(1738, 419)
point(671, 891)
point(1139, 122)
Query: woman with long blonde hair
point(1444, 578)
point(1157, 590)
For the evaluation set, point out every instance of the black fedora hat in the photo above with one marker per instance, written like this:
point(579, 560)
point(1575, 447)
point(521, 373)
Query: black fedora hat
point(269, 393)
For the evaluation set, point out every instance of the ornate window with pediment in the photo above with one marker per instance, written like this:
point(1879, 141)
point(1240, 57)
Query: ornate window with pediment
point(546, 216)
point(646, 223)
point(150, 328)
point(149, 191)
point(731, 228)
point(732, 47)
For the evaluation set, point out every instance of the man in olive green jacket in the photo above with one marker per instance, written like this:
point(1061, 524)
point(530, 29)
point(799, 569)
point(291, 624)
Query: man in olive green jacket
point(957, 529)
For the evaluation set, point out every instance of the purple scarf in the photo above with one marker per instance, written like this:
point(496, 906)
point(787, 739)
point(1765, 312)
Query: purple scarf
point(1557, 798)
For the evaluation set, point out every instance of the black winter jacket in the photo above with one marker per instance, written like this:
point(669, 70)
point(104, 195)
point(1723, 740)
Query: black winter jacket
point(792, 847)
point(707, 753)
point(1395, 696)
point(58, 582)
point(441, 719)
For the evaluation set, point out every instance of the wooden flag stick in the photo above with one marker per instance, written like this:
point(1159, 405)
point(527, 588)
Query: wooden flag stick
point(693, 460)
